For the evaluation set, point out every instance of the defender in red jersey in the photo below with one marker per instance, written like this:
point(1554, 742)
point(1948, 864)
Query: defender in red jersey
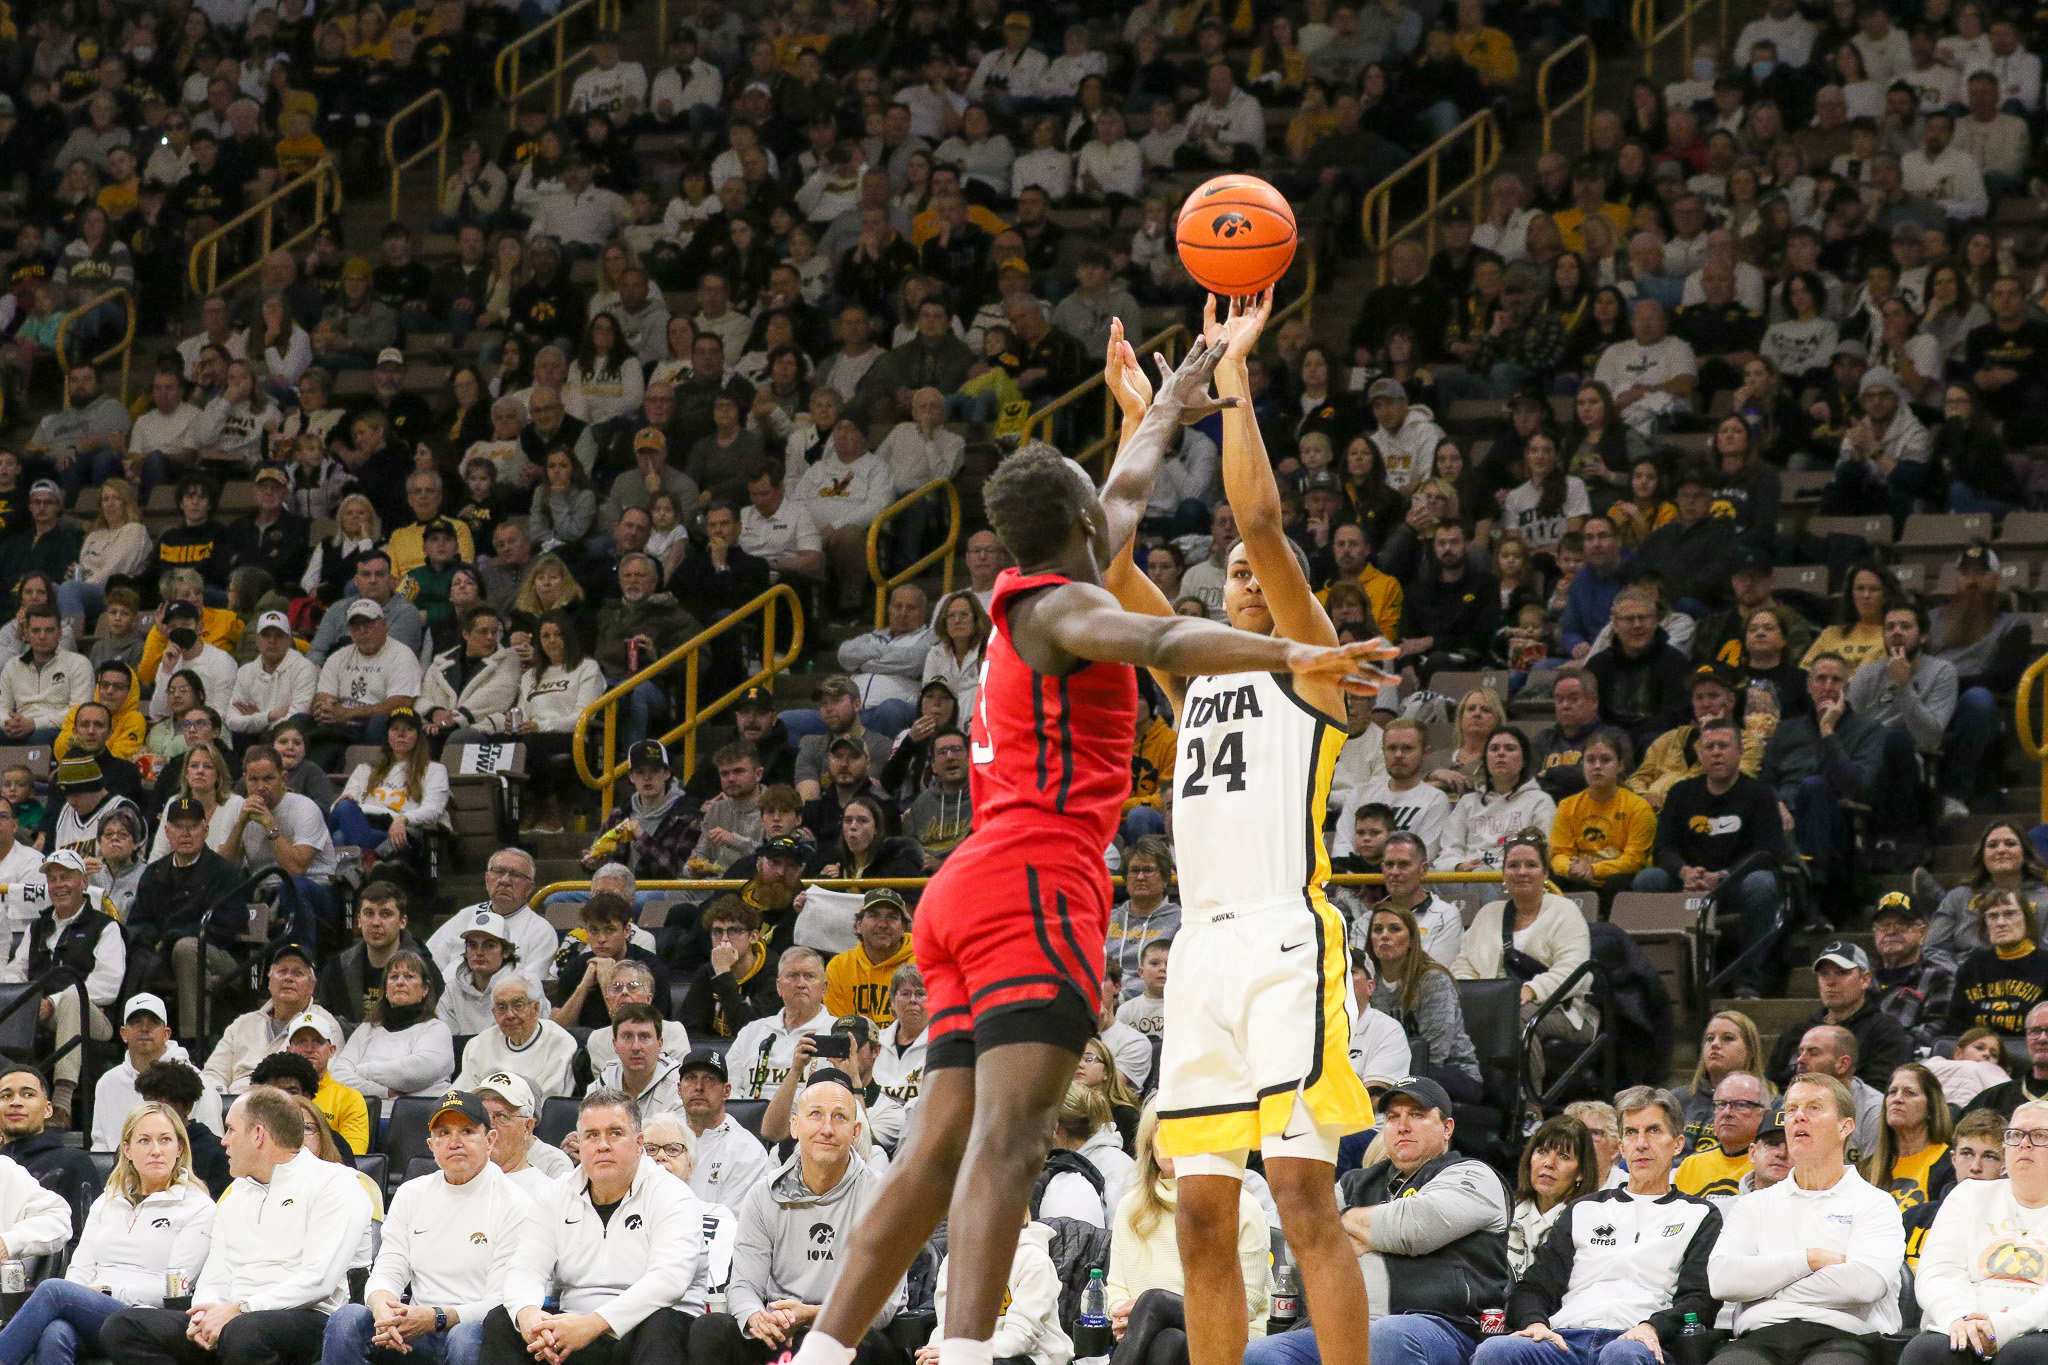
point(1010, 934)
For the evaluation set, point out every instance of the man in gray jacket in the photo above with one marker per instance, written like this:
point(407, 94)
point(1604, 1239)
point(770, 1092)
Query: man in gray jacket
point(1838, 753)
point(791, 1227)
point(1431, 1230)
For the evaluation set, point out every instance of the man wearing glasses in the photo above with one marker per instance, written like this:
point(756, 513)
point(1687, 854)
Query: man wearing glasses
point(2032, 1087)
point(632, 983)
point(521, 1040)
point(1972, 1295)
point(508, 884)
point(1715, 1173)
point(514, 1112)
point(1811, 1264)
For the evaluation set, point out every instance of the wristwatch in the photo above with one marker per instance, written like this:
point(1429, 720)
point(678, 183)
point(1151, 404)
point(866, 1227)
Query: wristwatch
point(440, 1319)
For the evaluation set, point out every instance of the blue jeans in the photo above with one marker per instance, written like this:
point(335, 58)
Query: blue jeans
point(352, 826)
point(94, 468)
point(1397, 1339)
point(1589, 1346)
point(1756, 898)
point(348, 1342)
point(1972, 730)
point(645, 704)
point(1963, 498)
point(80, 599)
point(57, 1319)
point(884, 717)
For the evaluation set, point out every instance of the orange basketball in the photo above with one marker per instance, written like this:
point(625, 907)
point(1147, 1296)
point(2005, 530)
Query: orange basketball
point(1236, 235)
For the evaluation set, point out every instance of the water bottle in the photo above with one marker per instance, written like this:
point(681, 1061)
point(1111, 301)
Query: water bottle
point(1091, 1336)
point(1286, 1309)
point(1693, 1341)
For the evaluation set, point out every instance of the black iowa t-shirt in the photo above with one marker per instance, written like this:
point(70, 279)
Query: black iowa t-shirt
point(1697, 828)
point(2024, 349)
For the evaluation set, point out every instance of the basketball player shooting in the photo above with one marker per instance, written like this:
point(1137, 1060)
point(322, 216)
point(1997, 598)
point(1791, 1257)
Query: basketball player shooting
point(1010, 932)
point(1258, 1002)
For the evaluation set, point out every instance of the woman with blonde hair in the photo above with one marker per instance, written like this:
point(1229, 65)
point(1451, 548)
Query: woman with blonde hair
point(1462, 768)
point(1084, 1132)
point(1912, 1140)
point(1730, 1043)
point(358, 530)
point(206, 779)
point(1098, 1071)
point(548, 586)
point(155, 1216)
point(117, 546)
point(1146, 1281)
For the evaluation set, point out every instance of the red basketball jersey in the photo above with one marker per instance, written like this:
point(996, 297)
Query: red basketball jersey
point(1049, 752)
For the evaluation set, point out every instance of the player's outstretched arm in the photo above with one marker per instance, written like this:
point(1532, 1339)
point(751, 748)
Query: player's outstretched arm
point(1249, 484)
point(1184, 391)
point(1088, 623)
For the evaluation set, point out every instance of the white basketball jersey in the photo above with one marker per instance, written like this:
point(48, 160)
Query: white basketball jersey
point(1251, 783)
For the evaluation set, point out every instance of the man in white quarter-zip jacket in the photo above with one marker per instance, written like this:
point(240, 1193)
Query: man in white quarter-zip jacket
point(283, 1236)
point(622, 1241)
point(1811, 1264)
point(451, 1236)
point(1616, 1276)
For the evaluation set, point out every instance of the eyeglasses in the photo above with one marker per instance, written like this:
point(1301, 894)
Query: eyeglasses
point(513, 1006)
point(514, 873)
point(2026, 1137)
point(1736, 1104)
point(197, 722)
point(729, 931)
point(667, 1151)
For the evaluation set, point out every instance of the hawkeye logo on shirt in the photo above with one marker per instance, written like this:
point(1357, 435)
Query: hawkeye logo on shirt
point(1722, 825)
point(479, 1239)
point(822, 1235)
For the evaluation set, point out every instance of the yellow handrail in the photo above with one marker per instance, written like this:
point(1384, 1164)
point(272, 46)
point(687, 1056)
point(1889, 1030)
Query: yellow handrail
point(326, 183)
point(1168, 344)
point(604, 13)
point(437, 146)
point(1649, 37)
point(124, 348)
point(693, 716)
point(2023, 717)
point(1380, 233)
point(541, 893)
point(1583, 97)
point(942, 555)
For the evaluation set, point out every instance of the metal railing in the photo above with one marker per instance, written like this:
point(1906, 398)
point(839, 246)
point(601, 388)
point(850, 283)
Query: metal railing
point(1483, 132)
point(325, 183)
point(2023, 718)
point(124, 348)
point(436, 146)
point(1650, 36)
point(687, 655)
point(1582, 98)
point(541, 894)
point(1167, 343)
point(602, 14)
point(943, 555)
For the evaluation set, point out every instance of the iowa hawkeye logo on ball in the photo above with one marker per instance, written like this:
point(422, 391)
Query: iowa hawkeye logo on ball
point(1228, 225)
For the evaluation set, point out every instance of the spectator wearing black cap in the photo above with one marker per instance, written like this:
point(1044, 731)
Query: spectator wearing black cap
point(1843, 982)
point(1912, 986)
point(1671, 757)
point(428, 584)
point(1527, 349)
point(271, 538)
point(848, 763)
point(450, 1241)
point(172, 899)
point(1695, 552)
point(860, 980)
point(730, 1160)
point(250, 1037)
point(1431, 1228)
point(654, 831)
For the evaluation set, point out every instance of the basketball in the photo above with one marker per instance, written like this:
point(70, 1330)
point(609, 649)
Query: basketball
point(1236, 235)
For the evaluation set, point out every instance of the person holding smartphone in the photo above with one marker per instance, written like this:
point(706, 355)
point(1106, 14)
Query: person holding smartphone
point(850, 1047)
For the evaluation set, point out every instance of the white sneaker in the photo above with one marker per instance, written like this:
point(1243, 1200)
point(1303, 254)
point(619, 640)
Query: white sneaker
point(1954, 809)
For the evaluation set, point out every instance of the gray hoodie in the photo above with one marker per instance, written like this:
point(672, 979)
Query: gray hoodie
point(789, 1238)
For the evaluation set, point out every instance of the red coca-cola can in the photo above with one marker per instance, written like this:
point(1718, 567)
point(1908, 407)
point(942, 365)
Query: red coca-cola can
point(1493, 1321)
